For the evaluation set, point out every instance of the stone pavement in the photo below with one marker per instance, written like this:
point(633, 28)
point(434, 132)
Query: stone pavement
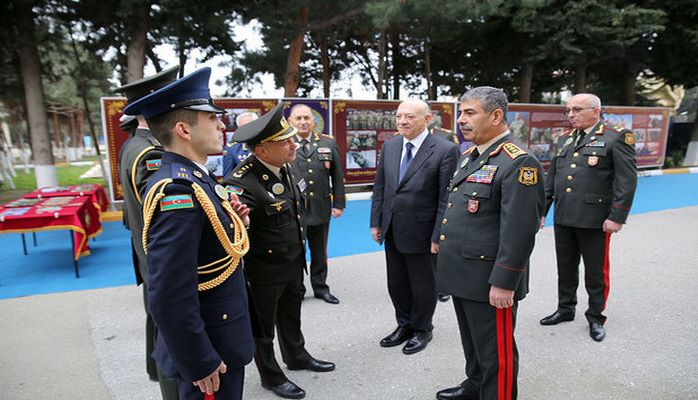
point(89, 344)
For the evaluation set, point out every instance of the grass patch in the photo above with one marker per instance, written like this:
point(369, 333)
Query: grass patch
point(26, 182)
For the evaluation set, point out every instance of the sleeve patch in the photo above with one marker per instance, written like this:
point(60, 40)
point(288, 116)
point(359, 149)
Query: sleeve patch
point(234, 190)
point(528, 176)
point(153, 165)
point(176, 202)
point(629, 138)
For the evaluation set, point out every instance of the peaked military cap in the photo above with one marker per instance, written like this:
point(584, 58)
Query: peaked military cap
point(135, 90)
point(190, 92)
point(270, 127)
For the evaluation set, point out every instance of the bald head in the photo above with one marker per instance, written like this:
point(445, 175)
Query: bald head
point(301, 118)
point(412, 117)
point(591, 100)
point(583, 110)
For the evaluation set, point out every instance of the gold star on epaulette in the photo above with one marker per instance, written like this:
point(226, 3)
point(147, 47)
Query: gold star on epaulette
point(242, 171)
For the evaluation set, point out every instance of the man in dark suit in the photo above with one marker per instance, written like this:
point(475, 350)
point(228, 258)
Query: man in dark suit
point(409, 198)
point(194, 237)
point(138, 159)
point(318, 163)
point(487, 235)
point(592, 181)
point(275, 263)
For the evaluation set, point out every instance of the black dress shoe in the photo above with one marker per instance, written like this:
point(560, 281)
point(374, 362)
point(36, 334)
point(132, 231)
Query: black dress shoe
point(286, 390)
point(418, 342)
point(596, 331)
point(443, 297)
point(328, 297)
point(398, 337)
point(313, 365)
point(556, 317)
point(460, 392)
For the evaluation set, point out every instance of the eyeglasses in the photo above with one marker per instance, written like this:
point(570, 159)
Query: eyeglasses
point(576, 110)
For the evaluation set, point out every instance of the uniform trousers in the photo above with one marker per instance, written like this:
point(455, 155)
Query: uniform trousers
point(168, 385)
point(278, 305)
point(491, 356)
point(412, 286)
point(230, 389)
point(317, 242)
point(592, 246)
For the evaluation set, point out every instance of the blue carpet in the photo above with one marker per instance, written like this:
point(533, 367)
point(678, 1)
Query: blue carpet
point(49, 269)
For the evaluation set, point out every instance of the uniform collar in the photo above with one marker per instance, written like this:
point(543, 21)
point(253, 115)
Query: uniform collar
point(275, 170)
point(483, 147)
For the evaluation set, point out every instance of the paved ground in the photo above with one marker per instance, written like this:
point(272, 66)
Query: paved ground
point(88, 345)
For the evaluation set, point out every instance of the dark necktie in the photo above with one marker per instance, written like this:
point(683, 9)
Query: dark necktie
point(580, 137)
point(474, 155)
point(304, 145)
point(405, 161)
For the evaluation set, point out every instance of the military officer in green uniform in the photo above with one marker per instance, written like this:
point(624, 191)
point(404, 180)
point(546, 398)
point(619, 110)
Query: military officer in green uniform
point(487, 235)
point(138, 159)
point(318, 163)
point(276, 260)
point(592, 180)
point(437, 130)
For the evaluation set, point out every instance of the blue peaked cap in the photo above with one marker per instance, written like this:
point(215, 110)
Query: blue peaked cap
point(190, 92)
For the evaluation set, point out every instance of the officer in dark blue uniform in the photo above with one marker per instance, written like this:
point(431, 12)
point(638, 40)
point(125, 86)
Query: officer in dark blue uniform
point(194, 237)
point(139, 158)
point(237, 152)
point(275, 263)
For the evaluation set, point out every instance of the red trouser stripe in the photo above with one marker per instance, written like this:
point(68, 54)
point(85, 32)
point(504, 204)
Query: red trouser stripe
point(505, 354)
point(209, 396)
point(606, 270)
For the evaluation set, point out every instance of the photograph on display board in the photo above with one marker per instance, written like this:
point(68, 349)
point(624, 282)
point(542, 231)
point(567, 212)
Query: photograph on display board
point(361, 159)
point(518, 125)
point(619, 121)
point(655, 121)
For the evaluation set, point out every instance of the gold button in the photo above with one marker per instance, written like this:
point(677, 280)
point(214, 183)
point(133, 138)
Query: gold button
point(232, 226)
point(570, 177)
point(442, 237)
point(301, 229)
point(482, 162)
point(593, 153)
point(312, 194)
point(310, 171)
point(576, 154)
point(444, 221)
point(309, 160)
point(455, 189)
point(311, 182)
point(224, 317)
point(482, 257)
point(474, 193)
point(600, 201)
point(449, 205)
point(568, 190)
point(573, 166)
point(269, 251)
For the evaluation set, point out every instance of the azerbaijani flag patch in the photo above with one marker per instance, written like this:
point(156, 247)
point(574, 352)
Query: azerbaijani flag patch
point(176, 202)
point(153, 165)
point(234, 190)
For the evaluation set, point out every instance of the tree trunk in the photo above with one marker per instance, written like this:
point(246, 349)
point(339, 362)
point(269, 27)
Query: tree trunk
point(431, 93)
point(629, 81)
point(292, 75)
point(380, 87)
point(30, 67)
point(397, 63)
point(325, 60)
point(580, 75)
point(182, 55)
point(525, 83)
point(139, 41)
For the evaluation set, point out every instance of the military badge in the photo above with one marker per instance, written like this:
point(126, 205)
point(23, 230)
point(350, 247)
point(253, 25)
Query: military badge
point(483, 175)
point(265, 177)
point(222, 193)
point(277, 188)
point(153, 165)
point(302, 185)
point(473, 206)
point(592, 161)
point(197, 174)
point(234, 190)
point(279, 206)
point(596, 143)
point(324, 150)
point(528, 176)
point(629, 138)
point(464, 162)
point(175, 202)
point(568, 141)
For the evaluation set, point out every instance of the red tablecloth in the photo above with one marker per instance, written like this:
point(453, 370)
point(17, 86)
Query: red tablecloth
point(92, 190)
point(78, 214)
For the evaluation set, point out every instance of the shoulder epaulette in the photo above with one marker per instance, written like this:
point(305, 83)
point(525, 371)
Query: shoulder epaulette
point(154, 141)
point(179, 171)
point(322, 135)
point(242, 171)
point(512, 150)
point(469, 150)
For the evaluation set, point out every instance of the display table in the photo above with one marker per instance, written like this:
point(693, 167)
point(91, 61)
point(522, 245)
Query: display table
point(93, 191)
point(76, 213)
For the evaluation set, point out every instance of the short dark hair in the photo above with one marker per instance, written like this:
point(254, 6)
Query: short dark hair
point(490, 98)
point(161, 125)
